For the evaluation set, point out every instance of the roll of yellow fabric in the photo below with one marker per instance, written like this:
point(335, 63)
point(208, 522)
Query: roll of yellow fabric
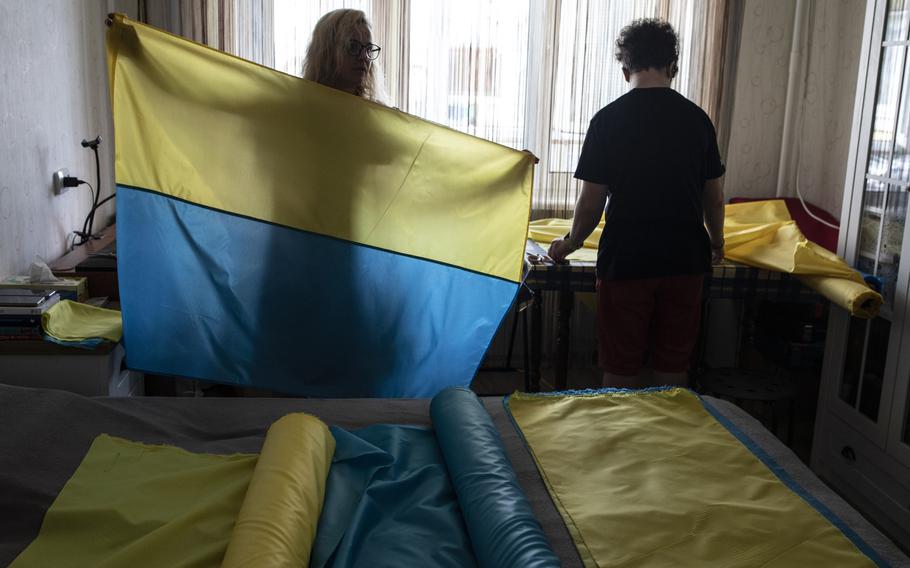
point(858, 299)
point(277, 521)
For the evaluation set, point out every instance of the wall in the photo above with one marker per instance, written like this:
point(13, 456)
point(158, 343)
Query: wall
point(835, 44)
point(54, 94)
point(758, 105)
point(753, 157)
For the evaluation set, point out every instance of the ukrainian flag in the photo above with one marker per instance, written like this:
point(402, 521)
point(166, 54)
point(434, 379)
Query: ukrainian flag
point(276, 233)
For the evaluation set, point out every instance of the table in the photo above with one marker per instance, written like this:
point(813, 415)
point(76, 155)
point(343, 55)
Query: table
point(728, 281)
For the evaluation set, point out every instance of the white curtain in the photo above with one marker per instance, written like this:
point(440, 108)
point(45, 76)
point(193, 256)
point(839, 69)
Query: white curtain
point(528, 74)
point(581, 76)
point(244, 28)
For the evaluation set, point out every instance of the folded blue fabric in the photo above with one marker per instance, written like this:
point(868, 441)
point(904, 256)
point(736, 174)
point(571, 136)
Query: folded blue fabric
point(389, 502)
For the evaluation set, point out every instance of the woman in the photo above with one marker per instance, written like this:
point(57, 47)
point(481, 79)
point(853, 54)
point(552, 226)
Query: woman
point(341, 55)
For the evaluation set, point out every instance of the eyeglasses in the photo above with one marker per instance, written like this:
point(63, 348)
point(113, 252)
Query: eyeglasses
point(354, 48)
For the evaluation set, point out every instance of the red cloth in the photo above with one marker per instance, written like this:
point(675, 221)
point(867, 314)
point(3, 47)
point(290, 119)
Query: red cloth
point(660, 315)
point(816, 232)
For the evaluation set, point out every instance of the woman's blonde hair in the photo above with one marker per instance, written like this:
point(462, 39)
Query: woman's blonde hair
point(326, 52)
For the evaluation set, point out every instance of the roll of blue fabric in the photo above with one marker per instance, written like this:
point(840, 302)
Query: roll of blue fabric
point(502, 527)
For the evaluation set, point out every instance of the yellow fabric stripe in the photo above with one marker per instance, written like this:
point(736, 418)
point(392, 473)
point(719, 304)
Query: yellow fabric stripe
point(209, 128)
point(652, 479)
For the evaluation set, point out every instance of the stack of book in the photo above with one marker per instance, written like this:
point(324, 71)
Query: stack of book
point(73, 288)
point(21, 311)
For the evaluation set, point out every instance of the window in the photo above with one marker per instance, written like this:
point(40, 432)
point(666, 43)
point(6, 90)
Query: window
point(529, 74)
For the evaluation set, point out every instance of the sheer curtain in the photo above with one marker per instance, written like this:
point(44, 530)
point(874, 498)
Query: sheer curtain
point(468, 66)
point(528, 74)
point(241, 27)
point(586, 77)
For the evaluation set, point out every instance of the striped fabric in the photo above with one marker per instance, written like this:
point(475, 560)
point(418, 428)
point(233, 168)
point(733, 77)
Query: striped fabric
point(276, 233)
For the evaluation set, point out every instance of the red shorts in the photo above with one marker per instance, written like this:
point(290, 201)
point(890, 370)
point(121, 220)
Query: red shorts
point(656, 315)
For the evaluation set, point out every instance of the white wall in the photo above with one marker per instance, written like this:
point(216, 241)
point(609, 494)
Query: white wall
point(54, 94)
point(831, 91)
point(753, 157)
point(758, 105)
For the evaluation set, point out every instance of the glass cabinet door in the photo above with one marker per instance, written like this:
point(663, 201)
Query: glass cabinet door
point(882, 217)
point(897, 34)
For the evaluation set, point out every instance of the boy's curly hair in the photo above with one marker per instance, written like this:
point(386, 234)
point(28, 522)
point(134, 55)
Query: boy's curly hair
point(648, 43)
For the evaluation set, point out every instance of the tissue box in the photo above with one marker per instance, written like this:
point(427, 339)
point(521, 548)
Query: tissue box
point(71, 288)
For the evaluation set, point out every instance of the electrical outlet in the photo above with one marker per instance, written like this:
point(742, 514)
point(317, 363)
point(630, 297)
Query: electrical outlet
point(58, 181)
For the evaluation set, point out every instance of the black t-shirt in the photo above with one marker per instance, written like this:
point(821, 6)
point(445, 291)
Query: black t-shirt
point(653, 149)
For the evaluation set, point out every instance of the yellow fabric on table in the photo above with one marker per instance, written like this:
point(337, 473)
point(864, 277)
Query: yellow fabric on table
point(545, 231)
point(131, 504)
point(761, 234)
point(72, 321)
point(650, 478)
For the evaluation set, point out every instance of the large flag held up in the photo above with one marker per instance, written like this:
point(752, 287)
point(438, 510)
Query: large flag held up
point(276, 233)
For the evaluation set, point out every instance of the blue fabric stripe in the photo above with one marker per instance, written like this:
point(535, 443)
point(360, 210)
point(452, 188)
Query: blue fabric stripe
point(753, 447)
point(218, 297)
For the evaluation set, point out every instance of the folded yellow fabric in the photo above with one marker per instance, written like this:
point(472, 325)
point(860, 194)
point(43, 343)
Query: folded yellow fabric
point(761, 234)
point(650, 478)
point(277, 522)
point(131, 504)
point(72, 321)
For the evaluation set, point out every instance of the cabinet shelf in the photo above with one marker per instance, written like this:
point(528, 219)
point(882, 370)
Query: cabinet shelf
point(882, 258)
point(872, 210)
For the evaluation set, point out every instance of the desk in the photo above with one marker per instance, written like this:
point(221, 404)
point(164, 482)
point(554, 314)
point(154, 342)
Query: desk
point(728, 281)
point(95, 372)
